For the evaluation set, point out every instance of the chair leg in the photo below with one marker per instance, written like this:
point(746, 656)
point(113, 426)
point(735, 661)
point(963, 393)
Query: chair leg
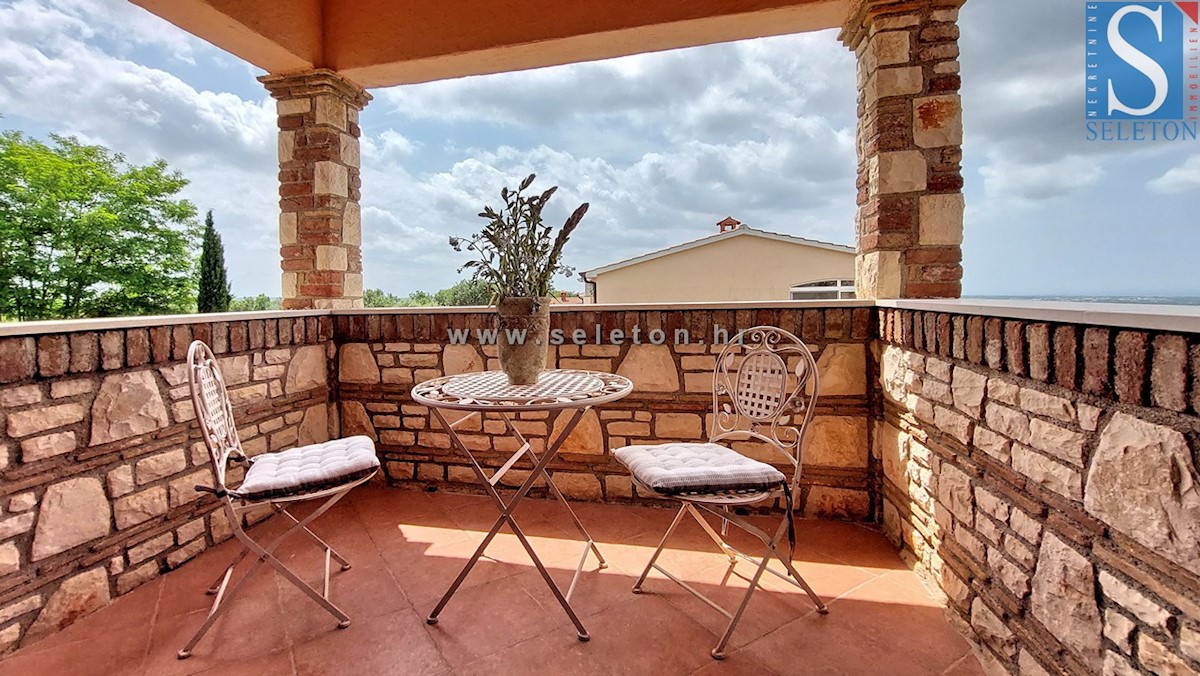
point(821, 607)
point(725, 548)
point(637, 587)
point(267, 555)
point(317, 540)
point(718, 652)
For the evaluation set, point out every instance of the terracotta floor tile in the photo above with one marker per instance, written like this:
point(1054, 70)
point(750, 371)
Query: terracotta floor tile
point(396, 643)
point(278, 663)
point(480, 621)
point(407, 547)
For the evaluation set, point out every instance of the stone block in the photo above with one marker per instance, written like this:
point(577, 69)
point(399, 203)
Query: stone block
point(138, 507)
point(1168, 373)
point(10, 559)
point(72, 513)
point(1051, 474)
point(836, 441)
point(1142, 607)
point(1156, 658)
point(61, 389)
point(686, 426)
point(461, 359)
point(33, 421)
point(1060, 442)
point(941, 219)
point(967, 389)
point(17, 359)
point(40, 448)
point(842, 369)
point(331, 258)
point(160, 466)
point(330, 178)
point(578, 485)
point(828, 502)
point(1119, 629)
point(306, 370)
point(1142, 482)
point(1006, 421)
point(992, 630)
point(77, 597)
point(937, 121)
point(954, 493)
point(356, 364)
point(127, 405)
point(897, 172)
point(651, 368)
point(888, 48)
point(877, 274)
point(1064, 599)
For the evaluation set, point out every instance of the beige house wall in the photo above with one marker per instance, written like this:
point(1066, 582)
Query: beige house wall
point(737, 268)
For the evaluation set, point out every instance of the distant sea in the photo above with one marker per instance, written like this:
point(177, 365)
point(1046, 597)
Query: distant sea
point(1135, 300)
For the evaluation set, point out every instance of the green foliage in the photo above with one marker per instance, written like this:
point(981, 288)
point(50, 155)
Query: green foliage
point(516, 256)
point(377, 298)
point(214, 295)
point(83, 233)
point(466, 292)
point(254, 303)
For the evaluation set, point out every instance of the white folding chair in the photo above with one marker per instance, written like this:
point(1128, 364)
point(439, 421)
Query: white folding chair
point(319, 471)
point(755, 397)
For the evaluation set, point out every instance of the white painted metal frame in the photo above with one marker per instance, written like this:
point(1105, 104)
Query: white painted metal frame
point(215, 415)
point(757, 395)
point(484, 393)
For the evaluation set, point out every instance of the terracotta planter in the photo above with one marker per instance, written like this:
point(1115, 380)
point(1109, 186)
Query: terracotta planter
point(527, 321)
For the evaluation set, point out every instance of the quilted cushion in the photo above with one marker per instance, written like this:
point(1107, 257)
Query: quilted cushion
point(676, 468)
point(308, 469)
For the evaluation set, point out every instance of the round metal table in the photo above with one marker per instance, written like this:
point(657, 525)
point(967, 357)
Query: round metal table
point(488, 392)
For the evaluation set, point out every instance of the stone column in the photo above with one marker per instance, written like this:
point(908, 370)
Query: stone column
point(910, 203)
point(320, 233)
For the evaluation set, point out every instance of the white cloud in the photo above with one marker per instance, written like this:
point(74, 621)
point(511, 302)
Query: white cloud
point(1178, 180)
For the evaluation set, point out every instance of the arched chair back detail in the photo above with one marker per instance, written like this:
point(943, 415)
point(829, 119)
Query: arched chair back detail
point(757, 396)
point(214, 412)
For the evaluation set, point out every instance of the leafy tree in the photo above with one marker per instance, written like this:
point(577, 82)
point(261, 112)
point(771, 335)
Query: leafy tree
point(466, 292)
point(84, 233)
point(254, 303)
point(214, 295)
point(377, 298)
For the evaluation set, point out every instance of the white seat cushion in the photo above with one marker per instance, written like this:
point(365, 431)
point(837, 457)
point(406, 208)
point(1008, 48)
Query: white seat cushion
point(675, 468)
point(308, 469)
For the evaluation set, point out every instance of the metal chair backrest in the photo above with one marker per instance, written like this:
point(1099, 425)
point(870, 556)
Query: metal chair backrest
point(213, 409)
point(756, 396)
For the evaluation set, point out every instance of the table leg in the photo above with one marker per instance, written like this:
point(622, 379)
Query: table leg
point(506, 510)
point(553, 450)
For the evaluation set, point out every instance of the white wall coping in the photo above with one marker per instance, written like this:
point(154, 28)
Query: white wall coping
point(623, 307)
point(110, 323)
point(1180, 318)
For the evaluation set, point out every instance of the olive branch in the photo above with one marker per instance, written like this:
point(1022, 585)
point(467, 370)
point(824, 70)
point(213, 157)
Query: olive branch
point(515, 254)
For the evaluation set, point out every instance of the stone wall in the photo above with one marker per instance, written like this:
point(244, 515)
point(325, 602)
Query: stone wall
point(1043, 475)
point(99, 452)
point(382, 355)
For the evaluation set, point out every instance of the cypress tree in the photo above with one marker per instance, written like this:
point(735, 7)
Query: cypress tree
point(214, 293)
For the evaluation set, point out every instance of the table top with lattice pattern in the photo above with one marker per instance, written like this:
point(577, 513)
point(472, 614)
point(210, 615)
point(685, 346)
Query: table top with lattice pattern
point(490, 391)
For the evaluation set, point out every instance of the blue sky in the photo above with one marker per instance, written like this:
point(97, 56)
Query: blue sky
point(661, 145)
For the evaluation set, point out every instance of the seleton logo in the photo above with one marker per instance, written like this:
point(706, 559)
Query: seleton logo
point(1143, 71)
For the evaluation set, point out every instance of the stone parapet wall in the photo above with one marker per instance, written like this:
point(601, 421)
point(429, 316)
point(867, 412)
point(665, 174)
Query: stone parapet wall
point(382, 355)
point(99, 452)
point(1043, 475)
